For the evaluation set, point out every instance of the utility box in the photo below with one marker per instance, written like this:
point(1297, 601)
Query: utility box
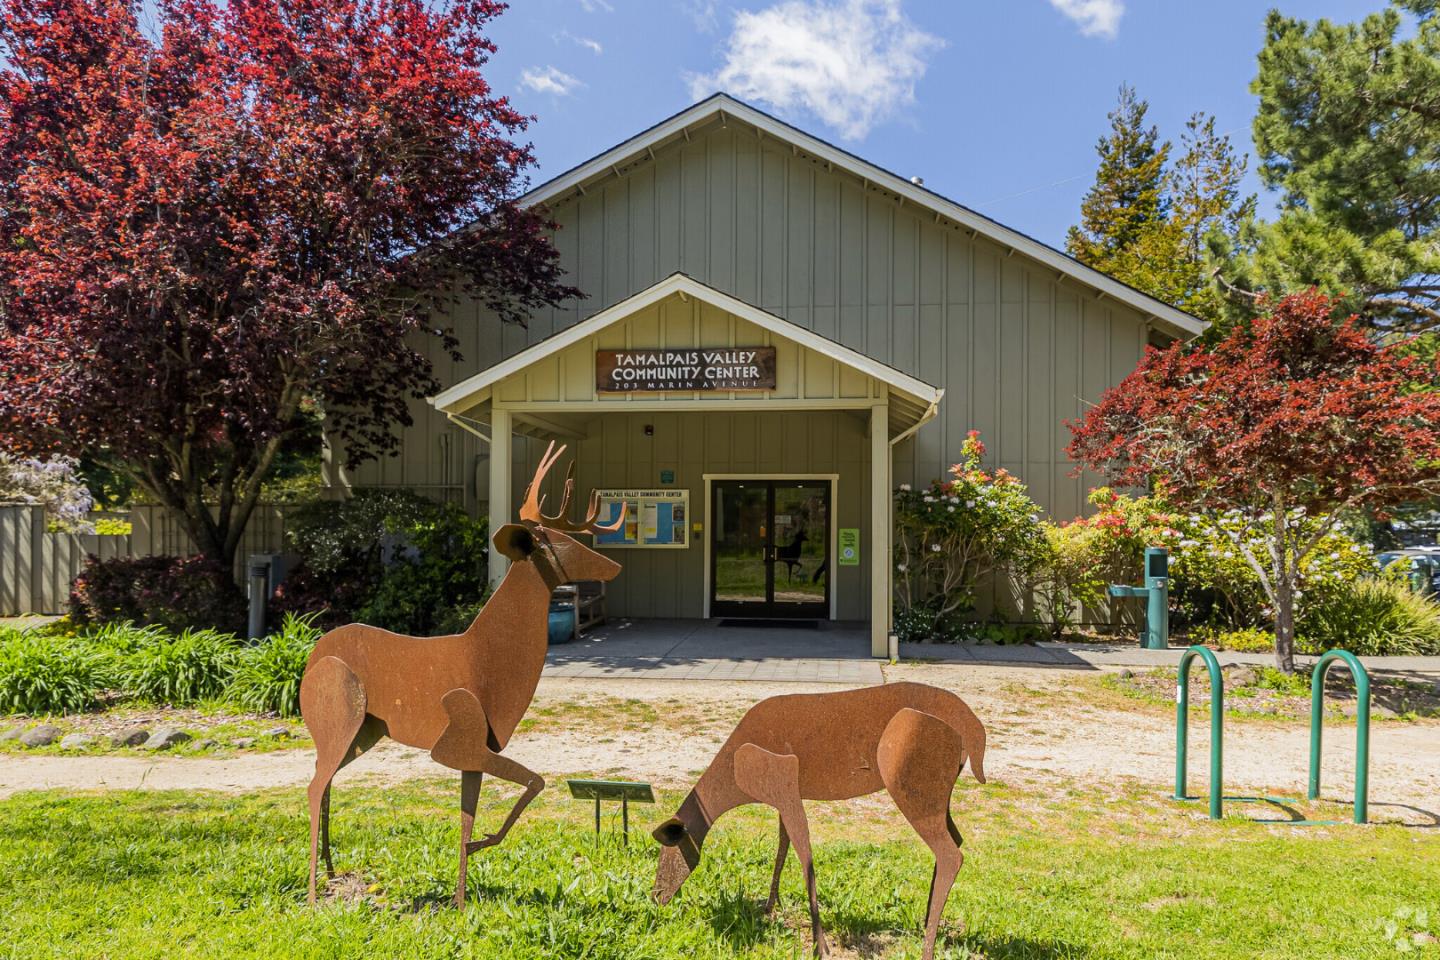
point(1155, 632)
point(263, 573)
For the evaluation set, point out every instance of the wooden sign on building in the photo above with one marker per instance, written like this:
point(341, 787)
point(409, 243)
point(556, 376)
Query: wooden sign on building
point(721, 368)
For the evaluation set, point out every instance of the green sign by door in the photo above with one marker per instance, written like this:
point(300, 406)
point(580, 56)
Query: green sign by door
point(849, 546)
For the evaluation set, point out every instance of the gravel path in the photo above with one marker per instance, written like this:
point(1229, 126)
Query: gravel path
point(1038, 730)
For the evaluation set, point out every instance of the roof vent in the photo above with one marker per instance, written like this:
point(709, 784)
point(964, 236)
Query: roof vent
point(918, 181)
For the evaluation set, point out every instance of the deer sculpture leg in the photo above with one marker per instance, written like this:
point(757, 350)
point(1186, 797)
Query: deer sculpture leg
point(780, 853)
point(919, 759)
point(470, 781)
point(464, 746)
point(333, 705)
point(774, 780)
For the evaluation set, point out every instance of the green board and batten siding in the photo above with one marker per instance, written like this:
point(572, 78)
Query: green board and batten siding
point(1016, 349)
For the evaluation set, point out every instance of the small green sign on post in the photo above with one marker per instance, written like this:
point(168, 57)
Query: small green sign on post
point(849, 546)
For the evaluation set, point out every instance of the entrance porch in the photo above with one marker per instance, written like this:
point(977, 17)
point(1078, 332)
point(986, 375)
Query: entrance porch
point(754, 457)
point(675, 649)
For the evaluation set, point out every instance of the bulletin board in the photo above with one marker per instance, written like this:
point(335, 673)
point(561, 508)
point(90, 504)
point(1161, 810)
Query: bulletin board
point(655, 519)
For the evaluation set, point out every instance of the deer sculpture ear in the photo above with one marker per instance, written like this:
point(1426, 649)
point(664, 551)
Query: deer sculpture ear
point(515, 541)
point(670, 833)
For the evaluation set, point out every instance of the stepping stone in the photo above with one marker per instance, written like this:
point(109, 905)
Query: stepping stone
point(279, 733)
point(240, 743)
point(166, 737)
point(11, 733)
point(129, 737)
point(41, 736)
point(204, 744)
point(76, 741)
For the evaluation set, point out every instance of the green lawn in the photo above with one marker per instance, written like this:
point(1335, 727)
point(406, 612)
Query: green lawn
point(1075, 873)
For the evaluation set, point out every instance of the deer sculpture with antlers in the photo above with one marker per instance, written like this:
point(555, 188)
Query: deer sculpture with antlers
point(459, 696)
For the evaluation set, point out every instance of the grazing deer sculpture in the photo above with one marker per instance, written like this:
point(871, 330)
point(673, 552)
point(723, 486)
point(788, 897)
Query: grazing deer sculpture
point(908, 739)
point(459, 696)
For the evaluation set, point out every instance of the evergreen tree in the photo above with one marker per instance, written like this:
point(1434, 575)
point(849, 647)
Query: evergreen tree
point(1148, 224)
point(1348, 130)
point(1128, 196)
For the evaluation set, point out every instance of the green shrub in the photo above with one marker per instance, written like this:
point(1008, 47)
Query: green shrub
point(122, 638)
point(46, 674)
point(391, 558)
point(1371, 617)
point(1241, 640)
point(181, 670)
point(267, 676)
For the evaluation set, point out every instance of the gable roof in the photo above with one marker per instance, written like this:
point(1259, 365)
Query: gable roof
point(725, 108)
point(912, 401)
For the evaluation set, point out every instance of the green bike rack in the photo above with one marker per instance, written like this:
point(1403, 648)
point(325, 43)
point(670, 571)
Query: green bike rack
point(1362, 726)
point(1217, 721)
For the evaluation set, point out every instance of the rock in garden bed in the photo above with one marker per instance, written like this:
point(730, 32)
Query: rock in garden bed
point(166, 737)
point(41, 736)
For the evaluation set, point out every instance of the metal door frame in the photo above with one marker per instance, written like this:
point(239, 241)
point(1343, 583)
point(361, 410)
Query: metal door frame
point(832, 480)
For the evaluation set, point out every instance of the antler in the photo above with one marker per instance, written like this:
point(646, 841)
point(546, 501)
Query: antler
point(530, 510)
point(592, 514)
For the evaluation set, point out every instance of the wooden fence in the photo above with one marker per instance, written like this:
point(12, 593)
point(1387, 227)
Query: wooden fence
point(37, 566)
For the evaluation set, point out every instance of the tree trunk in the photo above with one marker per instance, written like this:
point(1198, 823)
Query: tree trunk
point(1285, 627)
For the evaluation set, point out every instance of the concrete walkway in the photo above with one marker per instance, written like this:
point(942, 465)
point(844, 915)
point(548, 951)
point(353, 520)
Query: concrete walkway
point(840, 653)
point(1095, 656)
point(705, 650)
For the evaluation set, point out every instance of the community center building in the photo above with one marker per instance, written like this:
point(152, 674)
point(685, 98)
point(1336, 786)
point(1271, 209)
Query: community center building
point(775, 334)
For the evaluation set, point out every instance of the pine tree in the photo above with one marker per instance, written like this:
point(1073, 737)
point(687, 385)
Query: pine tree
point(1348, 130)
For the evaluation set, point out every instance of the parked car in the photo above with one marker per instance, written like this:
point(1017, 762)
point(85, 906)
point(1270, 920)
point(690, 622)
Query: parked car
point(1423, 564)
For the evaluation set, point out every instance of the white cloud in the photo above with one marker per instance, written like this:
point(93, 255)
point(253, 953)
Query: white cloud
point(849, 62)
point(1096, 18)
point(588, 43)
point(593, 6)
point(549, 80)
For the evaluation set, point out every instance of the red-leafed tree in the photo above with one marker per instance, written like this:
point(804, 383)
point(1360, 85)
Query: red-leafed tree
point(214, 215)
point(1280, 427)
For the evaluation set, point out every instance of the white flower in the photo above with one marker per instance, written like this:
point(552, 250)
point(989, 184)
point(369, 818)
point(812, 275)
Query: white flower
point(929, 499)
point(950, 509)
point(1356, 548)
point(1229, 554)
point(1335, 555)
point(954, 499)
point(900, 567)
point(1189, 543)
point(934, 548)
point(904, 488)
point(970, 504)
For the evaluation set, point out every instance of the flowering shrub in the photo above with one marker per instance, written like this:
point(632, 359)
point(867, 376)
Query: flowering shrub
point(1085, 555)
point(1216, 583)
point(952, 534)
point(52, 483)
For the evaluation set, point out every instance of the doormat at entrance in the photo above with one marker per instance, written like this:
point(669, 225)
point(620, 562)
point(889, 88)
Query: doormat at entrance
point(771, 624)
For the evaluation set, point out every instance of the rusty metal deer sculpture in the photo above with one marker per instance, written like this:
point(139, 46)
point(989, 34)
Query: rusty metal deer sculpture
point(908, 739)
point(459, 696)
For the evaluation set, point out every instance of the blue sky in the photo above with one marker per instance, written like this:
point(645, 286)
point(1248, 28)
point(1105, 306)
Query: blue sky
point(996, 103)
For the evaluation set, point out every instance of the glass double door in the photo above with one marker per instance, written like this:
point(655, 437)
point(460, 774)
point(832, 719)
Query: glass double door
point(770, 548)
